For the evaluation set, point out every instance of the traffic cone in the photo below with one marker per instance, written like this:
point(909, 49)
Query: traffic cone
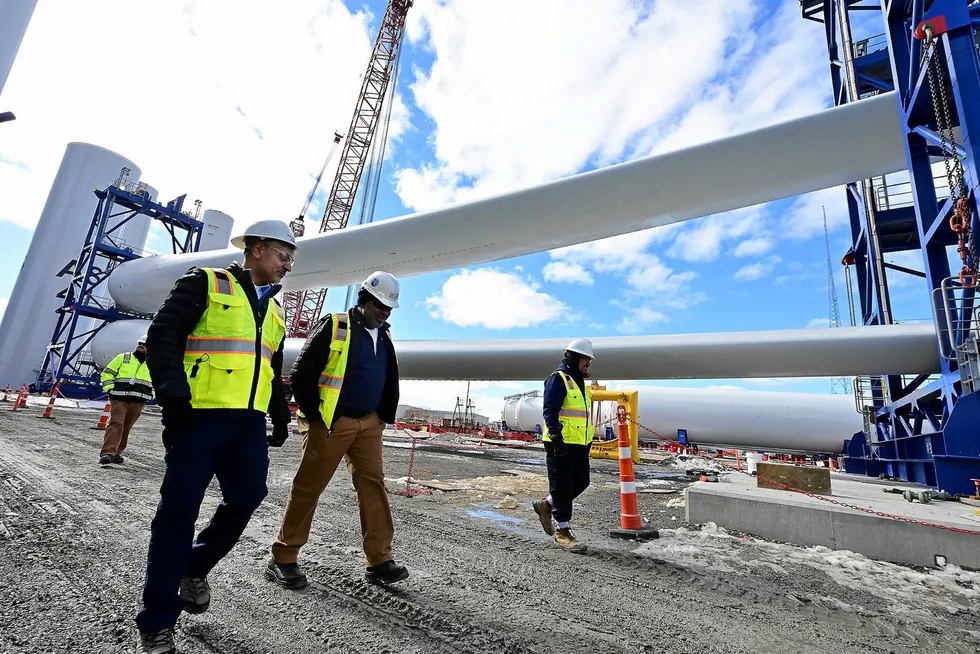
point(632, 525)
point(48, 409)
point(6, 394)
point(104, 419)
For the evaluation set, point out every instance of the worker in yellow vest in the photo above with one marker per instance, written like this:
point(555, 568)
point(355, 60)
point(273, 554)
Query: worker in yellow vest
point(345, 381)
point(215, 349)
point(566, 406)
point(126, 380)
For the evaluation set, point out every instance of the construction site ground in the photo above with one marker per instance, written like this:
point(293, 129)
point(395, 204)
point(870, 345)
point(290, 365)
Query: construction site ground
point(484, 576)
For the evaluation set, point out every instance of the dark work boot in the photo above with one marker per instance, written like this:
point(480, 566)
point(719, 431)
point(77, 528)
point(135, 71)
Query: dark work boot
point(287, 575)
point(117, 458)
point(389, 571)
point(105, 459)
point(196, 594)
point(160, 641)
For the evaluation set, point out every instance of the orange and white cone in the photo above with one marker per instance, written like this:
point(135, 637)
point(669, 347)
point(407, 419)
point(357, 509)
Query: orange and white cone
point(6, 394)
point(104, 419)
point(632, 525)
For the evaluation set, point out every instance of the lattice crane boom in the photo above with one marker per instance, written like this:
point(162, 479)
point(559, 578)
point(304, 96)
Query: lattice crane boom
point(356, 148)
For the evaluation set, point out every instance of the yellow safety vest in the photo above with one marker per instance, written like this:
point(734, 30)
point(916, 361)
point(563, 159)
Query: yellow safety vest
point(228, 364)
point(574, 413)
point(332, 378)
point(127, 376)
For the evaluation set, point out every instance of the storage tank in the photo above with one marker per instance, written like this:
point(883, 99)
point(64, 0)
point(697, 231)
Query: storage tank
point(15, 16)
point(29, 321)
point(523, 413)
point(216, 234)
point(764, 420)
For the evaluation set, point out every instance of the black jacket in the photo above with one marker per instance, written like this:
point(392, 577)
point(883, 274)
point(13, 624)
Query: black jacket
point(312, 359)
point(167, 338)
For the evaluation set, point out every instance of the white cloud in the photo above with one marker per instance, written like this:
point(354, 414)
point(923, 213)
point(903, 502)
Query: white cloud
point(804, 217)
point(573, 273)
point(491, 298)
point(817, 323)
point(704, 239)
point(214, 116)
point(753, 247)
point(756, 270)
point(587, 111)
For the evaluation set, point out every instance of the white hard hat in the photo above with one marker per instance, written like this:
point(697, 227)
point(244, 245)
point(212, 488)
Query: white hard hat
point(384, 287)
point(275, 229)
point(142, 340)
point(581, 346)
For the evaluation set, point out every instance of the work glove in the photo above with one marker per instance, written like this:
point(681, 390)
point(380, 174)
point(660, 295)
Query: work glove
point(177, 413)
point(561, 449)
point(280, 433)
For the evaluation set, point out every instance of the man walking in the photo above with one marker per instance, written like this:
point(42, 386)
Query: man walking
point(215, 352)
point(345, 381)
point(566, 405)
point(127, 382)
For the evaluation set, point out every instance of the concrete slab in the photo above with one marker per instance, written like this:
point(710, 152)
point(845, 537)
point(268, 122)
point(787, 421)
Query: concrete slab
point(786, 516)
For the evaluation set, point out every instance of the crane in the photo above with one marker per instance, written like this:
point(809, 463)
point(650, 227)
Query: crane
point(303, 308)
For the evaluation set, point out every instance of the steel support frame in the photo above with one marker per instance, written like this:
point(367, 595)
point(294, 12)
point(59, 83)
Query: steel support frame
point(922, 431)
point(65, 360)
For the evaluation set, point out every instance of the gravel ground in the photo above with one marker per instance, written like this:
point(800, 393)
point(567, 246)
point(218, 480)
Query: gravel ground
point(484, 577)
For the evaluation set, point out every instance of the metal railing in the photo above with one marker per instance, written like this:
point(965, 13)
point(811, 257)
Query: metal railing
point(870, 44)
point(899, 194)
point(959, 333)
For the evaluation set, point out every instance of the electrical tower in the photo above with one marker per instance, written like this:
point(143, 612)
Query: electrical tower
point(382, 67)
point(840, 385)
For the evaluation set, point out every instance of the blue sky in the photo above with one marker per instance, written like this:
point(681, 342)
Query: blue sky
point(492, 96)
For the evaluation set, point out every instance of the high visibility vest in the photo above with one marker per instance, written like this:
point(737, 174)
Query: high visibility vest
point(228, 361)
point(127, 377)
point(332, 377)
point(574, 413)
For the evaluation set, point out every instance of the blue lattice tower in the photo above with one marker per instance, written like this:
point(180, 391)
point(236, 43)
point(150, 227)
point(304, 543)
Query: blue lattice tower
point(67, 360)
point(925, 429)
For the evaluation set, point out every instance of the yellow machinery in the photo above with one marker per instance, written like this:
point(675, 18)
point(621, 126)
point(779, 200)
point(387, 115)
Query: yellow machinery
point(630, 400)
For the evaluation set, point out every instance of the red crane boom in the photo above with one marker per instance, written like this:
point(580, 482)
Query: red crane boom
point(303, 308)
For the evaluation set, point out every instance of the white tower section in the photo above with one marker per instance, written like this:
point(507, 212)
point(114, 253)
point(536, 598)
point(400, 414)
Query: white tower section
point(15, 15)
point(29, 320)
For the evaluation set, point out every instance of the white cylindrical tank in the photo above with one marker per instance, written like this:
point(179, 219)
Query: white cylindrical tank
point(216, 234)
point(523, 413)
point(15, 16)
point(29, 320)
point(802, 422)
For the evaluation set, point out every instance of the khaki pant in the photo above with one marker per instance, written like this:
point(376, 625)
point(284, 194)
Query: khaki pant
point(360, 441)
point(122, 417)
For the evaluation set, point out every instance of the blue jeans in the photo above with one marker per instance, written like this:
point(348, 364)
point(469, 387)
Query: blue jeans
point(232, 445)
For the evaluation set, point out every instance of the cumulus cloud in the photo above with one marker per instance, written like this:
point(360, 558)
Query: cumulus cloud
point(208, 113)
point(753, 247)
point(817, 323)
point(572, 273)
point(494, 299)
point(756, 270)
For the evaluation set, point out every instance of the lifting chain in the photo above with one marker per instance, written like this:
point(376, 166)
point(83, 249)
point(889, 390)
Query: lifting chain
point(959, 222)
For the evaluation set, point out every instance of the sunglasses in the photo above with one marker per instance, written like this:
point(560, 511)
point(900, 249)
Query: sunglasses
point(381, 306)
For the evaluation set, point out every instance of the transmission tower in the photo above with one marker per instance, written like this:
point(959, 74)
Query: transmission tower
point(381, 70)
point(838, 385)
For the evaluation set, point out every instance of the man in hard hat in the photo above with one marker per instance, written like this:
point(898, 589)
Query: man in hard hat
point(126, 380)
point(566, 406)
point(215, 352)
point(345, 381)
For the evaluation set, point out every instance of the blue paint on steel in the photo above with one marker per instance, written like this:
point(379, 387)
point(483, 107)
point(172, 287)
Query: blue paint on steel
point(924, 430)
point(67, 360)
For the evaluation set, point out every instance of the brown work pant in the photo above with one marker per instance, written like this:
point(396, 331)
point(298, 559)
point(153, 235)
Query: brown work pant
point(122, 417)
point(360, 440)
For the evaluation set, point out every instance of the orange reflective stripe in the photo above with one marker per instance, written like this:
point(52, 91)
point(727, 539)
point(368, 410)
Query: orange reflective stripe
point(222, 282)
point(329, 381)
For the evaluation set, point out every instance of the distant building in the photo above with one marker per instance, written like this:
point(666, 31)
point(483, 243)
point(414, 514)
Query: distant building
point(409, 412)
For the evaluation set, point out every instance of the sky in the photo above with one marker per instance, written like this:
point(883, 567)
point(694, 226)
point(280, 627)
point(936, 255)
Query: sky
point(236, 105)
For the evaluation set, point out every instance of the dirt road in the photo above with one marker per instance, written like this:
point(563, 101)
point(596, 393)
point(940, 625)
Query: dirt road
point(484, 578)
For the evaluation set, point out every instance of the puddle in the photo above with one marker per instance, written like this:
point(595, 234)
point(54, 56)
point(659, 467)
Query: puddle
point(493, 515)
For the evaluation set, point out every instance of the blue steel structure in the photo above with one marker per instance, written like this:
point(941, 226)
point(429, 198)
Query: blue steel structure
point(67, 360)
point(926, 429)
